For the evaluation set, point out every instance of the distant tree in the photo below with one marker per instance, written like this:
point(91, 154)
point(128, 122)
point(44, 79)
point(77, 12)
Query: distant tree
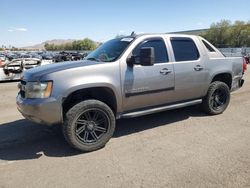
point(46, 46)
point(85, 44)
point(240, 34)
point(14, 49)
point(218, 34)
point(226, 34)
point(88, 44)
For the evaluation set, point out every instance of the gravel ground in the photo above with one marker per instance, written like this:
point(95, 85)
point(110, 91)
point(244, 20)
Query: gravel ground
point(180, 148)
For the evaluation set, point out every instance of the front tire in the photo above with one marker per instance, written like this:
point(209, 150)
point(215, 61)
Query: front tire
point(217, 99)
point(89, 125)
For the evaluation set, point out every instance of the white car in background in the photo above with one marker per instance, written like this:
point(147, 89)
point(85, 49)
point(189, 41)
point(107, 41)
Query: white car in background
point(13, 70)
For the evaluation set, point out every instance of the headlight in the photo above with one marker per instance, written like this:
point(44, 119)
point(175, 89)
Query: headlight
point(38, 89)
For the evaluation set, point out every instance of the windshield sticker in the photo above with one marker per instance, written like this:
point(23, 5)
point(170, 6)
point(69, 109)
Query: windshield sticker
point(127, 39)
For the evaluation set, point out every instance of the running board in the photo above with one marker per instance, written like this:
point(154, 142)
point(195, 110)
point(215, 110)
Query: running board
point(160, 109)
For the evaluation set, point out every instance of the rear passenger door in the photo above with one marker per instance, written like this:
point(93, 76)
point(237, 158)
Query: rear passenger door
point(190, 71)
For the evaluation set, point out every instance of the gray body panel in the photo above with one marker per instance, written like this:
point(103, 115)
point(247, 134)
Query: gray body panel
point(135, 88)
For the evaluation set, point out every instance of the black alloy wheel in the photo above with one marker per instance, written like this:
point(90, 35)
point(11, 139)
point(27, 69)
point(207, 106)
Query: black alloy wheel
point(217, 98)
point(89, 125)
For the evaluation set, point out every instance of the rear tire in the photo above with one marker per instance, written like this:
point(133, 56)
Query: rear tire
point(89, 125)
point(217, 99)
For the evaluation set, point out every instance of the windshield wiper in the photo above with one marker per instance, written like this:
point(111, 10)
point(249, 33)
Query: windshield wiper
point(93, 59)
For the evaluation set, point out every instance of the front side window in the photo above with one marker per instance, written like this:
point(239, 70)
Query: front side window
point(184, 49)
point(111, 50)
point(159, 46)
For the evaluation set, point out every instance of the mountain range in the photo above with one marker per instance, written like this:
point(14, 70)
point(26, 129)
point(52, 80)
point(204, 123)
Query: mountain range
point(54, 41)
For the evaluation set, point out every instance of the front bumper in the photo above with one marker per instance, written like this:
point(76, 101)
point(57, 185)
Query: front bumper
point(44, 111)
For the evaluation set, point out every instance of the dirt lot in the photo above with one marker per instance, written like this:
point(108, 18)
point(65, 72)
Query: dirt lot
point(180, 148)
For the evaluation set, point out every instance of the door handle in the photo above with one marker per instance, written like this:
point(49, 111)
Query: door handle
point(198, 68)
point(165, 71)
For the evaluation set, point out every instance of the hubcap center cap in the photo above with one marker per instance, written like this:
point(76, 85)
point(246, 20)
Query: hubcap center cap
point(91, 125)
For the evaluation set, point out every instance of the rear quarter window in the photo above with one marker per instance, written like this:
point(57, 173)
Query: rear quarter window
point(209, 47)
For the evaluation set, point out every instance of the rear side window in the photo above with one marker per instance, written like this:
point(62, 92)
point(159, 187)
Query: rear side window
point(159, 46)
point(184, 49)
point(209, 48)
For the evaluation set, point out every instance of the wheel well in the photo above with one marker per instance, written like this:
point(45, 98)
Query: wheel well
point(224, 77)
point(103, 94)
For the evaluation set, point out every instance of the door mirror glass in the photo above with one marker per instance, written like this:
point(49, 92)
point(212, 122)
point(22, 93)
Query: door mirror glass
point(131, 61)
point(147, 56)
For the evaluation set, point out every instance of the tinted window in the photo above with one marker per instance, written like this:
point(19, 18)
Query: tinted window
point(159, 47)
point(184, 49)
point(209, 48)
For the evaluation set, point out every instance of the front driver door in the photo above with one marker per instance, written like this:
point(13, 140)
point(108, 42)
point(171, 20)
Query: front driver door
point(147, 86)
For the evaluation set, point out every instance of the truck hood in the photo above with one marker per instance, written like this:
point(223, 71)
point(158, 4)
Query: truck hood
point(47, 69)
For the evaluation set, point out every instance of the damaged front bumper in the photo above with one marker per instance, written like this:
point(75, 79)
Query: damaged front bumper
point(44, 111)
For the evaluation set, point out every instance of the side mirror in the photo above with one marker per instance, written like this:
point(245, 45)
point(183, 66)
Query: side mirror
point(131, 61)
point(147, 56)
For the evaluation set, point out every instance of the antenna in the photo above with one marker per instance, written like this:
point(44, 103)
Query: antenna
point(133, 34)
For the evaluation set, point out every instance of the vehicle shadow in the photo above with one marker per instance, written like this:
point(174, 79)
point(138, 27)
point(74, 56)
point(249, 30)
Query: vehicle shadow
point(21, 139)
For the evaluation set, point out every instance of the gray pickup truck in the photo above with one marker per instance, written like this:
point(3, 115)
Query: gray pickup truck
point(128, 77)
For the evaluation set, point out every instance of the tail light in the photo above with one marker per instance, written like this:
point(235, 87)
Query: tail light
point(244, 65)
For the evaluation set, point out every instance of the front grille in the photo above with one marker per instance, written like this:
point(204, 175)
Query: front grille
point(22, 91)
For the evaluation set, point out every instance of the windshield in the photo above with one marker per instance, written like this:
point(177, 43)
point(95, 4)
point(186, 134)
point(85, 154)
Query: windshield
point(111, 50)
